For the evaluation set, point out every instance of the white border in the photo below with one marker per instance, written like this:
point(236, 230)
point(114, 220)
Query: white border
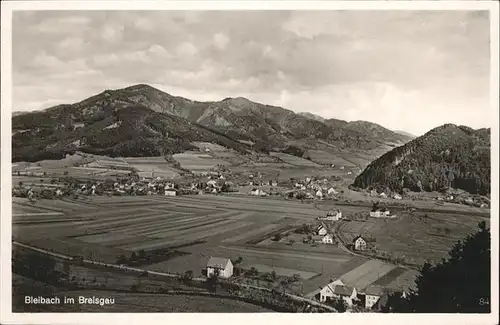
point(7, 317)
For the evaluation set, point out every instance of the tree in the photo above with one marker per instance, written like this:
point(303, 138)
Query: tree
point(459, 284)
point(447, 231)
point(340, 305)
point(239, 260)
point(142, 254)
point(284, 284)
point(188, 276)
point(211, 282)
point(121, 260)
point(253, 272)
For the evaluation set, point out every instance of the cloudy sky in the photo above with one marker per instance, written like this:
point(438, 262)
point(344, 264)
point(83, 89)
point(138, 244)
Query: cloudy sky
point(406, 70)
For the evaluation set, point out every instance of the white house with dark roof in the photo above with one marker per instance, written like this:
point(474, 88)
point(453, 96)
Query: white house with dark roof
point(372, 295)
point(223, 267)
point(170, 192)
point(327, 239)
point(359, 243)
point(379, 213)
point(337, 290)
point(321, 229)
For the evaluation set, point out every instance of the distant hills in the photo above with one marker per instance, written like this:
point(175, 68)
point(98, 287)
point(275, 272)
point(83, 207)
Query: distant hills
point(143, 121)
point(409, 135)
point(447, 156)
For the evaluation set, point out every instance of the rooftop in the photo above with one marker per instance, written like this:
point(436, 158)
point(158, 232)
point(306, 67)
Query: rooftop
point(217, 262)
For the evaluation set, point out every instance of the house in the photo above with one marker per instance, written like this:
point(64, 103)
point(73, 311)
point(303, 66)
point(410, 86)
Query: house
point(327, 239)
point(211, 183)
point(274, 184)
point(170, 192)
point(397, 196)
point(334, 215)
point(383, 195)
point(255, 191)
point(359, 243)
point(321, 229)
point(372, 295)
point(336, 290)
point(222, 267)
point(331, 191)
point(319, 194)
point(379, 213)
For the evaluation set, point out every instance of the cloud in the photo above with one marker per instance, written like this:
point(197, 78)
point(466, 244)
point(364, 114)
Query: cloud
point(220, 41)
point(112, 33)
point(59, 25)
point(144, 24)
point(186, 49)
point(71, 44)
point(390, 67)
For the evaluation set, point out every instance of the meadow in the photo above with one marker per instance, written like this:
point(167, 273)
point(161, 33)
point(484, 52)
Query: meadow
point(103, 228)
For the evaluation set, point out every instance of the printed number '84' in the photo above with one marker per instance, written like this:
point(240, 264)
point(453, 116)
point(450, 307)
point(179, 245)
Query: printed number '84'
point(484, 301)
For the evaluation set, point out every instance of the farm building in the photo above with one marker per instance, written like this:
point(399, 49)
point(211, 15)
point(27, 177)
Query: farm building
point(331, 191)
point(319, 194)
point(223, 267)
point(334, 215)
point(372, 295)
point(359, 243)
point(321, 230)
point(256, 191)
point(383, 195)
point(211, 183)
point(397, 196)
point(327, 239)
point(170, 192)
point(337, 290)
point(379, 213)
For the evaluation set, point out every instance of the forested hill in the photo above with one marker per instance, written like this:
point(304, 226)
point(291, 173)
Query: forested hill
point(447, 156)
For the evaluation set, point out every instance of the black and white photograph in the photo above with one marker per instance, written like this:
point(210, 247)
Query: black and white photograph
point(320, 159)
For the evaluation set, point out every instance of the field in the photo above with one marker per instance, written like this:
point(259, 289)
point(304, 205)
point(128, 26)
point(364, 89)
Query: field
point(413, 236)
point(324, 157)
point(143, 302)
point(294, 160)
point(197, 162)
point(103, 228)
point(224, 225)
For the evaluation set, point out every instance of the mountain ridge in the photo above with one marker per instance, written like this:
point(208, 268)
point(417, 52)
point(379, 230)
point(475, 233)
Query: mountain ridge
point(448, 156)
point(228, 121)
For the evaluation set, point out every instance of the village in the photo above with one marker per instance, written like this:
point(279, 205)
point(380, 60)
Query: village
point(341, 293)
point(331, 234)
